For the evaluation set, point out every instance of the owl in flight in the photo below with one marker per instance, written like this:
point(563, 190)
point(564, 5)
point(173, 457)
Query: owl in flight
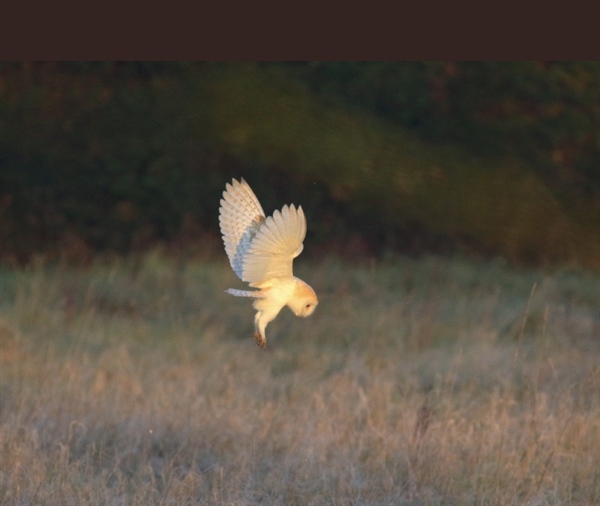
point(261, 251)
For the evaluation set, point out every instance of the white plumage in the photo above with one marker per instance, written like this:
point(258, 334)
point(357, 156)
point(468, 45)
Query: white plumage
point(261, 251)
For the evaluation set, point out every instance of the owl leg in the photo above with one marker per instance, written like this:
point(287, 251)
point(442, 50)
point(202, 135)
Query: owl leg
point(266, 311)
point(259, 334)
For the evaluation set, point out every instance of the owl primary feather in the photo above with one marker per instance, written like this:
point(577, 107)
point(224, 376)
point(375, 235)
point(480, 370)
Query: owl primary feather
point(261, 251)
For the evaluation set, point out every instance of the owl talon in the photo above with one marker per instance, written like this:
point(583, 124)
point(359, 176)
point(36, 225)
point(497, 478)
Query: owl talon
point(260, 340)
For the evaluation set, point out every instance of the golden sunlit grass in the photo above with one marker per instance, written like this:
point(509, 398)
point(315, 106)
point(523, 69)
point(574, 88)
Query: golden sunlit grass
point(415, 382)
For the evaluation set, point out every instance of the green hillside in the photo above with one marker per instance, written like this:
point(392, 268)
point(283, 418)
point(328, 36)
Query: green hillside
point(404, 157)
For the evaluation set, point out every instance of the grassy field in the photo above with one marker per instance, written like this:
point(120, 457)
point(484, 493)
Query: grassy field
point(417, 381)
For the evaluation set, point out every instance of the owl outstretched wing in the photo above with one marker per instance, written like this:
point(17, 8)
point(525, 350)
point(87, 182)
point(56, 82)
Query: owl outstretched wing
point(240, 217)
point(277, 242)
point(259, 248)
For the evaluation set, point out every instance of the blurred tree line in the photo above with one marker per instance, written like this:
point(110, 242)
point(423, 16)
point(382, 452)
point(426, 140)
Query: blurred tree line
point(546, 112)
point(494, 158)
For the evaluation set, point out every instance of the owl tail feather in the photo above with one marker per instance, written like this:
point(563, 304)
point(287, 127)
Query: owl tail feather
point(244, 293)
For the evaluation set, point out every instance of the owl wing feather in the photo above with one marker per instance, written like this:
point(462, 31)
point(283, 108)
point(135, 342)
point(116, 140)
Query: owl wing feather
point(276, 244)
point(240, 218)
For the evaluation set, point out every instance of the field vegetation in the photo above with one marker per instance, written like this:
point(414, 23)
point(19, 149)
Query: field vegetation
point(418, 381)
point(453, 213)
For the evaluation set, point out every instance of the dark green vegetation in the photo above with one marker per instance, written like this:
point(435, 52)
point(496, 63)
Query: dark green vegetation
point(493, 159)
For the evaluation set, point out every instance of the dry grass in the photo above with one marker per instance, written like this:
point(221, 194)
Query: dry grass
point(415, 382)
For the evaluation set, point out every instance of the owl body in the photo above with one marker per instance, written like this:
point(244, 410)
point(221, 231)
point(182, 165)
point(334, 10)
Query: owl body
point(261, 251)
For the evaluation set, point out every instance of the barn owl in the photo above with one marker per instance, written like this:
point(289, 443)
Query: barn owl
point(261, 251)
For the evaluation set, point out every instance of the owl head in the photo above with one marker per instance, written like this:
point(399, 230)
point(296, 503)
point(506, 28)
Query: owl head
point(304, 301)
